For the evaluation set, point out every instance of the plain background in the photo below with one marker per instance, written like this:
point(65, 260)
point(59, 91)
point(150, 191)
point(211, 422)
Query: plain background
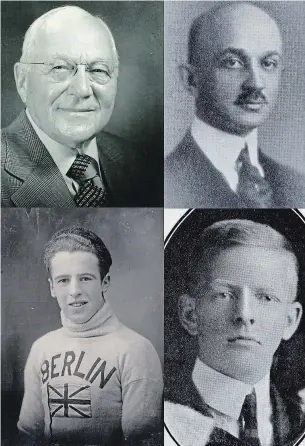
point(137, 28)
point(283, 136)
point(135, 241)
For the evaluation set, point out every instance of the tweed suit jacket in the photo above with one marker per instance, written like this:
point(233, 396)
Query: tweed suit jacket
point(288, 416)
point(191, 180)
point(30, 178)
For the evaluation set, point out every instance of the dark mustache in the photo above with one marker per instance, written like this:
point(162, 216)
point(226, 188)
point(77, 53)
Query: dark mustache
point(251, 96)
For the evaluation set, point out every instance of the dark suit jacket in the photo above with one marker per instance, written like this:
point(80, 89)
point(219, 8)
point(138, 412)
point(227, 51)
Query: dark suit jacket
point(191, 180)
point(30, 178)
point(288, 416)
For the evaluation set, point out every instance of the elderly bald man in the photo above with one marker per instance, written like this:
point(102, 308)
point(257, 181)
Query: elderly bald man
point(235, 61)
point(55, 153)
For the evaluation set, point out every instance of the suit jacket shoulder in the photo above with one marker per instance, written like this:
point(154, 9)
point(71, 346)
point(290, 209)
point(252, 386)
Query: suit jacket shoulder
point(30, 178)
point(287, 184)
point(191, 180)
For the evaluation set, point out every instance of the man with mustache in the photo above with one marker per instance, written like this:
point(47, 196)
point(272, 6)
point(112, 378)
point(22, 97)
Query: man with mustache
point(240, 303)
point(234, 67)
point(55, 153)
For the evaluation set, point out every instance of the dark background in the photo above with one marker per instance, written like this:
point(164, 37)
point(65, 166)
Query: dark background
point(180, 349)
point(137, 28)
point(135, 241)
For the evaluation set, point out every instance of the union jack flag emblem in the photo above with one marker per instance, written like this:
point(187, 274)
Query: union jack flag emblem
point(69, 400)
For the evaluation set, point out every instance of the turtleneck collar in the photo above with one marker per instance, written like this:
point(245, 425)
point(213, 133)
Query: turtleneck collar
point(103, 322)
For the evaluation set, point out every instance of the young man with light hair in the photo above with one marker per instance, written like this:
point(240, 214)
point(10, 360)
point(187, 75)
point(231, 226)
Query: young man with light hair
point(240, 304)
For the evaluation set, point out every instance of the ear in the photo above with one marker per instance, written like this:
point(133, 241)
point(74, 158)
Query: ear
point(187, 313)
point(106, 283)
point(293, 319)
point(21, 73)
point(51, 288)
point(188, 77)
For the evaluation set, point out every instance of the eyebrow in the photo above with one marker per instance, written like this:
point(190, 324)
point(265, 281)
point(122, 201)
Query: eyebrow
point(241, 52)
point(224, 282)
point(61, 276)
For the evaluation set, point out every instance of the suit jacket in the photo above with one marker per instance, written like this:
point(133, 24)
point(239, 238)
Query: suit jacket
point(30, 178)
point(191, 181)
point(187, 405)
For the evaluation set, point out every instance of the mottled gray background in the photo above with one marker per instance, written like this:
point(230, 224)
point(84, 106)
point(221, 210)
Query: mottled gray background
point(134, 238)
point(283, 135)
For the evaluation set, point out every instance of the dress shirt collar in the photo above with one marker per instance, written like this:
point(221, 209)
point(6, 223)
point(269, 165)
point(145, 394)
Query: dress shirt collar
point(225, 394)
point(63, 156)
point(223, 149)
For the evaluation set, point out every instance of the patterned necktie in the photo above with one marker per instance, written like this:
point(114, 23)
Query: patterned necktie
point(252, 187)
point(249, 431)
point(84, 171)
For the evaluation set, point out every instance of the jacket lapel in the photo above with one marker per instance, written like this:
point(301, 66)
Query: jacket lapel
point(42, 183)
point(207, 185)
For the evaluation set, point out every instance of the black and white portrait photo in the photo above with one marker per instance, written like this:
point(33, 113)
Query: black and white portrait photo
point(82, 327)
point(82, 102)
point(234, 335)
point(234, 104)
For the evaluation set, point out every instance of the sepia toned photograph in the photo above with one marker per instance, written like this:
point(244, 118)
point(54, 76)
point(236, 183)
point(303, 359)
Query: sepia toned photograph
point(82, 327)
point(234, 104)
point(82, 91)
point(234, 328)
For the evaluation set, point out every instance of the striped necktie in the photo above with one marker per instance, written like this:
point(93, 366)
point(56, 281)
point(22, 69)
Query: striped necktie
point(254, 190)
point(248, 421)
point(84, 171)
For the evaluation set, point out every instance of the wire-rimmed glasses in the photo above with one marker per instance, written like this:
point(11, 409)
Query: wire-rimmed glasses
point(63, 70)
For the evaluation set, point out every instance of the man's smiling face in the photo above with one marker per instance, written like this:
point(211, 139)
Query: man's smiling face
point(76, 284)
point(70, 111)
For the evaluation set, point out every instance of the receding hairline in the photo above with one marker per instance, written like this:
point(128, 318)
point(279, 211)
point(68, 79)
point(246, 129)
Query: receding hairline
point(42, 22)
point(209, 21)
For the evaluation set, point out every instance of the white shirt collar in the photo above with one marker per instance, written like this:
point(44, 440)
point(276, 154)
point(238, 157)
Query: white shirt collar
point(223, 149)
point(63, 156)
point(225, 394)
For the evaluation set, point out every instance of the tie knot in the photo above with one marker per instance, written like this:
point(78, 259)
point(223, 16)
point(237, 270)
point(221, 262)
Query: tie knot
point(243, 159)
point(249, 406)
point(83, 168)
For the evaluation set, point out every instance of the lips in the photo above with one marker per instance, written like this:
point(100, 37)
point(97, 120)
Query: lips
point(77, 304)
point(242, 338)
point(78, 110)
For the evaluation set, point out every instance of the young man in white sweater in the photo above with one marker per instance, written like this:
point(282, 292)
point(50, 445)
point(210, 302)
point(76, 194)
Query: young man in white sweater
point(93, 381)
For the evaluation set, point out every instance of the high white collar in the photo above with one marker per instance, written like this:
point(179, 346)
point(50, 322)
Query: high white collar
point(225, 394)
point(223, 149)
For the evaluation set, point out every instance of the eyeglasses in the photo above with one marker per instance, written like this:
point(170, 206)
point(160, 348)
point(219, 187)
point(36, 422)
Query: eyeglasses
point(60, 71)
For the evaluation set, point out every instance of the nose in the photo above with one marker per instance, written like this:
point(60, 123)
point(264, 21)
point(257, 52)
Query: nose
point(74, 287)
point(80, 85)
point(243, 313)
point(255, 77)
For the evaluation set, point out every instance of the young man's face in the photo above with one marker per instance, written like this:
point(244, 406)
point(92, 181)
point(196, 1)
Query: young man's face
point(244, 308)
point(76, 283)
